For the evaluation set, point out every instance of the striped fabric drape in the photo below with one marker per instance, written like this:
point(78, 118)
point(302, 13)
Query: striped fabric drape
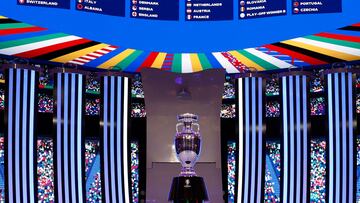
point(250, 157)
point(341, 139)
point(295, 143)
point(114, 127)
point(20, 158)
point(69, 140)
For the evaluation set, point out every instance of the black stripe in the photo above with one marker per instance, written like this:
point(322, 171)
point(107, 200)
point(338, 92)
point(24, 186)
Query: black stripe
point(116, 95)
point(21, 135)
point(351, 28)
point(256, 144)
point(62, 155)
point(65, 51)
point(250, 145)
point(8, 20)
point(70, 138)
point(288, 136)
point(307, 52)
point(76, 125)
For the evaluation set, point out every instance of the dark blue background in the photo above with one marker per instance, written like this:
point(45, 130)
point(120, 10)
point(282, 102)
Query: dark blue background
point(109, 7)
point(224, 12)
point(167, 10)
point(181, 36)
point(329, 6)
point(270, 5)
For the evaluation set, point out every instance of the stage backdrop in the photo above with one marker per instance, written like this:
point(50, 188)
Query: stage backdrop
point(162, 106)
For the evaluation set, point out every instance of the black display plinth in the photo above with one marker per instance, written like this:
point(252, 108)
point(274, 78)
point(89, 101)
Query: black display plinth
point(188, 190)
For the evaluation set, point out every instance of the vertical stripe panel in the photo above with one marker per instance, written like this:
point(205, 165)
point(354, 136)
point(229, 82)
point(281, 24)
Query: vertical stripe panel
point(20, 134)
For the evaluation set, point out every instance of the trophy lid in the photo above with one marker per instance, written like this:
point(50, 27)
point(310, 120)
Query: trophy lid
point(187, 117)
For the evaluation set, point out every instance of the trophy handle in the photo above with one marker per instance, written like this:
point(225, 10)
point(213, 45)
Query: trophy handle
point(197, 125)
point(177, 126)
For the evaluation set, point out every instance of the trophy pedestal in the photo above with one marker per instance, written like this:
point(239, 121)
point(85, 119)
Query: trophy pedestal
point(188, 190)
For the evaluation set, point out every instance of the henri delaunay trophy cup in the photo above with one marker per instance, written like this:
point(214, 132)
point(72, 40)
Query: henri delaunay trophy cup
point(188, 187)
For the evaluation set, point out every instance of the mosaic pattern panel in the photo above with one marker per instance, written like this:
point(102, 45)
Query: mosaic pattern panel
point(272, 172)
point(45, 103)
point(317, 106)
point(272, 87)
point(92, 107)
point(92, 171)
point(45, 170)
point(272, 109)
point(318, 170)
point(138, 110)
point(228, 111)
point(134, 147)
point(231, 165)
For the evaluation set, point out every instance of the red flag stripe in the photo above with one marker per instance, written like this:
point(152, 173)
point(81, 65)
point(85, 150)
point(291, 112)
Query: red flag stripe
point(20, 30)
point(149, 61)
point(339, 37)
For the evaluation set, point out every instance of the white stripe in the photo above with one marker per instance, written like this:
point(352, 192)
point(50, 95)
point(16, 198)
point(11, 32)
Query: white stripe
point(125, 141)
point(275, 61)
point(241, 144)
point(186, 63)
point(89, 57)
point(36, 45)
point(75, 62)
point(83, 60)
point(334, 47)
point(102, 51)
point(95, 54)
point(225, 63)
point(110, 48)
point(79, 129)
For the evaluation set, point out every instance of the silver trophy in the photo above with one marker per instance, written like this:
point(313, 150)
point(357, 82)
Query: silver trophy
point(187, 142)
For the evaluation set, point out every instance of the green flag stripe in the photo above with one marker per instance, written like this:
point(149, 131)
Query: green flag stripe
point(20, 42)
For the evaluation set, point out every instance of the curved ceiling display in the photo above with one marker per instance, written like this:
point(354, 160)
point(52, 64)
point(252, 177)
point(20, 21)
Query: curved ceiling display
point(187, 26)
point(27, 41)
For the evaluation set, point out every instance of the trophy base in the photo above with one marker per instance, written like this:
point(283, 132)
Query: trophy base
point(188, 190)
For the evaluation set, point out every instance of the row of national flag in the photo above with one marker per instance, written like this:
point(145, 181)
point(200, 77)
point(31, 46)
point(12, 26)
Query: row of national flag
point(23, 40)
